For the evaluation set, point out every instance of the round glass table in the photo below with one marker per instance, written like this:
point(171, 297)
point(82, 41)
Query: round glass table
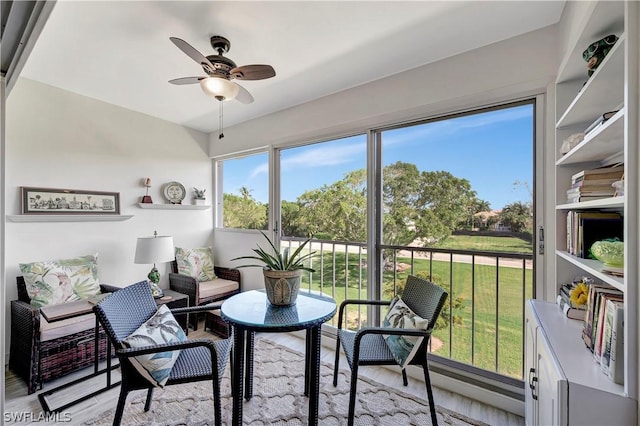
point(250, 312)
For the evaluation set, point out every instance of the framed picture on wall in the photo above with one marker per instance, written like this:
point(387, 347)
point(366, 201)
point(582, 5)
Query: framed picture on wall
point(68, 201)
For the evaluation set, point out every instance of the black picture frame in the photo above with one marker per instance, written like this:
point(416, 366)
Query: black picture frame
point(51, 201)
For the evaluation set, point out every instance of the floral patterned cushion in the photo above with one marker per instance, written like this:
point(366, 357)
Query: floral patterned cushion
point(401, 316)
point(197, 263)
point(161, 328)
point(59, 281)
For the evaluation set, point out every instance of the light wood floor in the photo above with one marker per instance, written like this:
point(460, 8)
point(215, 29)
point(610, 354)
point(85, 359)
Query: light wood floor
point(17, 400)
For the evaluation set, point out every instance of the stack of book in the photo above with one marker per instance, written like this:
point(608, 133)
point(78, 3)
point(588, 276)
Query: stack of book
point(594, 184)
point(586, 227)
point(603, 329)
point(570, 309)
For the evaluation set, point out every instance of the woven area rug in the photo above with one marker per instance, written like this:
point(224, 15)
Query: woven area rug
point(279, 399)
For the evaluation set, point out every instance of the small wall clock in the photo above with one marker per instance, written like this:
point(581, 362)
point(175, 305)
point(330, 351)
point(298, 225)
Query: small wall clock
point(174, 192)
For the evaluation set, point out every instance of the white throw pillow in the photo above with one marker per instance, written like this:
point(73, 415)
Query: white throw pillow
point(401, 316)
point(161, 328)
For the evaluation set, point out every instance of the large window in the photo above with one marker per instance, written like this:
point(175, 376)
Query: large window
point(448, 199)
point(245, 191)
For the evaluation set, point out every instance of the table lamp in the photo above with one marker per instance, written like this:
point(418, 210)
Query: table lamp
point(156, 249)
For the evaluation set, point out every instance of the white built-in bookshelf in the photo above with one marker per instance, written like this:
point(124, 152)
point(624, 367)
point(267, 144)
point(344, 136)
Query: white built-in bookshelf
point(561, 370)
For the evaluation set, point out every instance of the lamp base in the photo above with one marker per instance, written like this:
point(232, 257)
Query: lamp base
point(156, 291)
point(146, 199)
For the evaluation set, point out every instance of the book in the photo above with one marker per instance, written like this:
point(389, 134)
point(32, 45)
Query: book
point(610, 308)
point(601, 119)
point(616, 356)
point(598, 336)
point(591, 315)
point(613, 171)
point(569, 312)
point(589, 183)
point(575, 232)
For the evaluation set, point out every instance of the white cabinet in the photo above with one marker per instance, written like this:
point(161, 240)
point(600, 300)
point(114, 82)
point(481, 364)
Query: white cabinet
point(565, 385)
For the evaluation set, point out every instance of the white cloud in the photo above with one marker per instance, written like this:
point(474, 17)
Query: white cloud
point(318, 156)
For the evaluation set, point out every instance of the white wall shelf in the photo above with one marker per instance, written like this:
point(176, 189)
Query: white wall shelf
point(172, 206)
point(69, 217)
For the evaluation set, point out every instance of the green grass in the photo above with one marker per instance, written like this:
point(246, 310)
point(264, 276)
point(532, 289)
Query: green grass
point(480, 298)
point(486, 243)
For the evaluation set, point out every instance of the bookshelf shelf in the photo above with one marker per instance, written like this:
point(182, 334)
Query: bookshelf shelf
point(614, 203)
point(593, 267)
point(602, 92)
point(604, 141)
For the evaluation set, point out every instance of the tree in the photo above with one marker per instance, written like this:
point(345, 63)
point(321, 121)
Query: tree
point(517, 215)
point(244, 211)
point(400, 191)
point(290, 217)
point(443, 203)
point(337, 211)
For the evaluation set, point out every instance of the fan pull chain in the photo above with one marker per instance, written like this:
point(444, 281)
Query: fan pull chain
point(220, 124)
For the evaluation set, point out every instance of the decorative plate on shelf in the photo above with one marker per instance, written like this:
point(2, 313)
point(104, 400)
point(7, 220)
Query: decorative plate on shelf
point(174, 192)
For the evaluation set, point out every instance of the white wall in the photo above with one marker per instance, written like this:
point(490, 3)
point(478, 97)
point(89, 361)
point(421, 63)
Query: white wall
point(514, 67)
point(57, 139)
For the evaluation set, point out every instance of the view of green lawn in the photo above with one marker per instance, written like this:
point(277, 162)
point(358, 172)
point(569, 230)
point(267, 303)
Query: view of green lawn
point(486, 243)
point(492, 308)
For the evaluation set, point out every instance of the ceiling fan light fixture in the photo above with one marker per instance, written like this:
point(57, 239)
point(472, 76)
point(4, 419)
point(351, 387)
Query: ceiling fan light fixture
point(219, 88)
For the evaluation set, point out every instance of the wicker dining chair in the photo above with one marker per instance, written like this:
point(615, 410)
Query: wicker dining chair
point(124, 312)
point(367, 346)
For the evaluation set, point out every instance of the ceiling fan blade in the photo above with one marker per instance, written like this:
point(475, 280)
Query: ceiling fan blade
point(253, 72)
point(243, 95)
point(192, 53)
point(186, 80)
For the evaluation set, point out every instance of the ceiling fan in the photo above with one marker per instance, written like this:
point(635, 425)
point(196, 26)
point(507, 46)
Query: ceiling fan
point(220, 71)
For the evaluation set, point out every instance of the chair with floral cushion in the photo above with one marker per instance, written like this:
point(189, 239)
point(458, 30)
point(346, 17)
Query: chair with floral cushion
point(402, 340)
point(194, 274)
point(40, 350)
point(154, 351)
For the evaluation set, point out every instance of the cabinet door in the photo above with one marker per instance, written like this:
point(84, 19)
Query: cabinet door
point(551, 389)
point(530, 391)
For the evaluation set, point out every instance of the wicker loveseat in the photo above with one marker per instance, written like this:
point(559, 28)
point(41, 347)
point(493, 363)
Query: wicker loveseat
point(225, 285)
point(41, 351)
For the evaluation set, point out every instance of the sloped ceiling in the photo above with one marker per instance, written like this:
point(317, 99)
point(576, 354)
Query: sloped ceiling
point(119, 51)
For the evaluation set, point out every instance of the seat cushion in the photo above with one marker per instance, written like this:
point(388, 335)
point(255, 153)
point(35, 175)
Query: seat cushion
point(217, 287)
point(161, 328)
point(54, 282)
point(67, 327)
point(401, 316)
point(196, 263)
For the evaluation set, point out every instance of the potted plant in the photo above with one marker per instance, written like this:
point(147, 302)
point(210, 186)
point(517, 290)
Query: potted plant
point(198, 196)
point(282, 271)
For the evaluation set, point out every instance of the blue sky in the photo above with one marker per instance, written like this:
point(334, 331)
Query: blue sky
point(492, 150)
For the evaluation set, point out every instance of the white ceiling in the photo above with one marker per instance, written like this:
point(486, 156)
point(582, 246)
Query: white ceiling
point(119, 51)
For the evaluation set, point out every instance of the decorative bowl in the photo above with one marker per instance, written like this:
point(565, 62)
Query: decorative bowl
point(609, 252)
point(596, 52)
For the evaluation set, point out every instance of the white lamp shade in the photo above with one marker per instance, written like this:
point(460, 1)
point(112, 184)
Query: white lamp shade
point(219, 88)
point(154, 250)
